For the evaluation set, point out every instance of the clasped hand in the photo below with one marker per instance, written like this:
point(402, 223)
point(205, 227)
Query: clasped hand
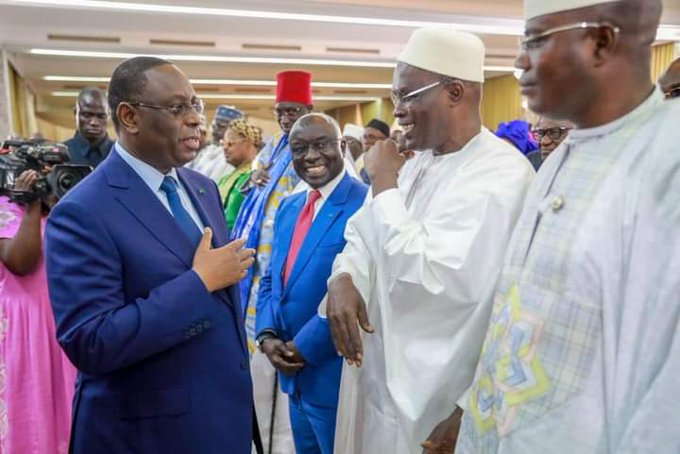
point(284, 356)
point(383, 161)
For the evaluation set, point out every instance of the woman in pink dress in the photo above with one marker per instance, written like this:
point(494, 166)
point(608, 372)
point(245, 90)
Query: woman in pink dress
point(36, 378)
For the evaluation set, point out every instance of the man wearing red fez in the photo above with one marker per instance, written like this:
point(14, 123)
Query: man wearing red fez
point(274, 179)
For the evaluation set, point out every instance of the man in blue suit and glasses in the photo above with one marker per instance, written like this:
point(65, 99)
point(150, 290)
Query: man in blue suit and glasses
point(308, 233)
point(144, 285)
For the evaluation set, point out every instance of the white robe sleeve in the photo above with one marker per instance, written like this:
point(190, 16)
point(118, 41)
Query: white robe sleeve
point(645, 408)
point(356, 259)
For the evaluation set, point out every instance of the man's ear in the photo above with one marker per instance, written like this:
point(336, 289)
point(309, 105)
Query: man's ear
point(127, 117)
point(455, 90)
point(343, 147)
point(605, 40)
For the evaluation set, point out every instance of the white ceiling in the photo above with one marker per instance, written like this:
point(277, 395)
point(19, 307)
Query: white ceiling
point(102, 27)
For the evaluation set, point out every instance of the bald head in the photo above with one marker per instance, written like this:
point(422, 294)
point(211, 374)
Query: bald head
point(316, 118)
point(317, 148)
point(92, 114)
point(670, 80)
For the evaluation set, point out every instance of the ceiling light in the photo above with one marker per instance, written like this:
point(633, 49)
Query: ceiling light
point(492, 26)
point(73, 94)
point(76, 79)
point(503, 69)
point(255, 83)
point(215, 58)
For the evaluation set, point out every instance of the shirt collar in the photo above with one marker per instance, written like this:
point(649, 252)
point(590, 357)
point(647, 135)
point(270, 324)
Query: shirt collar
point(87, 147)
point(149, 174)
point(649, 104)
point(327, 189)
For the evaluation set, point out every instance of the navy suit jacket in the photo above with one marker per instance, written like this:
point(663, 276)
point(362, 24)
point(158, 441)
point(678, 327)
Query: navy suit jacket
point(291, 310)
point(163, 363)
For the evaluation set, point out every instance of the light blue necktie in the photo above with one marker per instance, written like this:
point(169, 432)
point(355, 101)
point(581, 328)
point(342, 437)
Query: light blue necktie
point(181, 215)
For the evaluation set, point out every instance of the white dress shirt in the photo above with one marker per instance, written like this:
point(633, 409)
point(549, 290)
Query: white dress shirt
point(154, 178)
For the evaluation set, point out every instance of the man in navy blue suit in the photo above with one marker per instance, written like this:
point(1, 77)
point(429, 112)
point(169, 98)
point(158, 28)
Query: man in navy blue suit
point(146, 305)
point(308, 233)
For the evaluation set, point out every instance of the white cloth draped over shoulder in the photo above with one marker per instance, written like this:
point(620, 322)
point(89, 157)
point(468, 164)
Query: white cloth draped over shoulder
point(425, 258)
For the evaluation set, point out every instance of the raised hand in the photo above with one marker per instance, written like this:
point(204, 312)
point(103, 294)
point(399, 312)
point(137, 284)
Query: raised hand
point(224, 266)
point(260, 177)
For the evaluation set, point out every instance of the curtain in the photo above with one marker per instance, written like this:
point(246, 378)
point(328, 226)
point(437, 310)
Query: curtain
point(662, 56)
point(501, 101)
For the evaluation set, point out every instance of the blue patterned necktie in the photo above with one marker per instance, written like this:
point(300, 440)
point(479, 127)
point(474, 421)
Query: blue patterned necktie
point(181, 215)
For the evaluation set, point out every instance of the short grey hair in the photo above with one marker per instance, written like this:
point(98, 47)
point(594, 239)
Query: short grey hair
point(306, 119)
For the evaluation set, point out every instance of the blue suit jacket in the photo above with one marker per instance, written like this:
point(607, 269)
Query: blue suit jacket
point(291, 310)
point(163, 364)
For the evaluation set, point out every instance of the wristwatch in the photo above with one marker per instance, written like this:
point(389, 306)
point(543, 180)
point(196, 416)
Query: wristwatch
point(264, 335)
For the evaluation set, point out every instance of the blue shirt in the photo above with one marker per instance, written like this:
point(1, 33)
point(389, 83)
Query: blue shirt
point(153, 179)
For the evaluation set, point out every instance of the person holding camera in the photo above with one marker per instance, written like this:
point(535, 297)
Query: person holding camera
point(36, 378)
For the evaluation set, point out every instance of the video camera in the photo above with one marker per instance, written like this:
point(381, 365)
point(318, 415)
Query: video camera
point(48, 159)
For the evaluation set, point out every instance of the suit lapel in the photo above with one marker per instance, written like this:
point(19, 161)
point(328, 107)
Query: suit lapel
point(330, 211)
point(200, 199)
point(144, 205)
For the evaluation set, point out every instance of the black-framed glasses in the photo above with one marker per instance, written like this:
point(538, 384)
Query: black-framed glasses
point(531, 42)
point(301, 148)
point(176, 109)
point(410, 96)
point(555, 133)
point(288, 111)
point(673, 92)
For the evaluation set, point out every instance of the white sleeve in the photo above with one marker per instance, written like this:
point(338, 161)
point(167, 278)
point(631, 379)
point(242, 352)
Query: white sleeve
point(648, 351)
point(356, 258)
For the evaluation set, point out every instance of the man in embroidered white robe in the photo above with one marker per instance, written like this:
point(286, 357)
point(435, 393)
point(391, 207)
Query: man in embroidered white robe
point(582, 354)
point(424, 252)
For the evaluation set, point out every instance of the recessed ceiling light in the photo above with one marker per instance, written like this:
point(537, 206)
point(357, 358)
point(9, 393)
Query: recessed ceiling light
point(242, 82)
point(483, 26)
point(215, 58)
point(73, 94)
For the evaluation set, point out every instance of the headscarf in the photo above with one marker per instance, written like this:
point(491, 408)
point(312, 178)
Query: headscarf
point(518, 132)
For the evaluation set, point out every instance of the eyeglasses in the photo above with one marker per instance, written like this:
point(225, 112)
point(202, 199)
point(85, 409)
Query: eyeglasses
point(288, 111)
point(176, 109)
point(531, 42)
point(672, 93)
point(398, 98)
point(301, 149)
point(555, 133)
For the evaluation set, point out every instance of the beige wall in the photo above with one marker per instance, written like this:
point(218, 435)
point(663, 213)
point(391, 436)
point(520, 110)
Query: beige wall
point(662, 56)
point(381, 109)
point(501, 101)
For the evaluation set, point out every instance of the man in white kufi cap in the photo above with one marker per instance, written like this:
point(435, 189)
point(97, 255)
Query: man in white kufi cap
point(353, 135)
point(582, 353)
point(423, 253)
